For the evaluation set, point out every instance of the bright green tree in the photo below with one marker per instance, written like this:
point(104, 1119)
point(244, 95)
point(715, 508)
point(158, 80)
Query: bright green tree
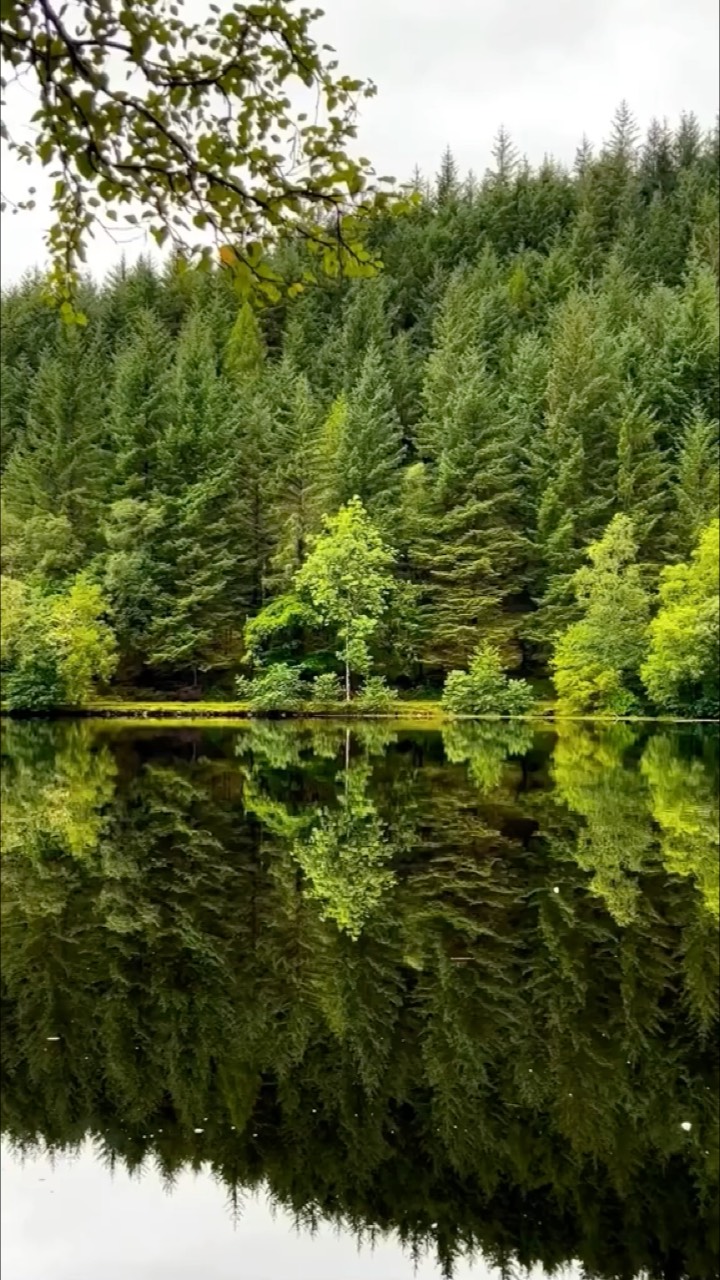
point(596, 661)
point(681, 670)
point(57, 646)
point(348, 579)
point(245, 348)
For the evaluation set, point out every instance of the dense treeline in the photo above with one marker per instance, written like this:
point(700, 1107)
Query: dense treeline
point(465, 989)
point(539, 356)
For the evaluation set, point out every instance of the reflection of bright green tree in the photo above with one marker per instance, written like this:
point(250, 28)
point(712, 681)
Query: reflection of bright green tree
point(345, 856)
point(684, 803)
point(55, 788)
point(594, 777)
point(486, 747)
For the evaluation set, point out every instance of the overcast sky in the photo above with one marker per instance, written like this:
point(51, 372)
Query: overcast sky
point(451, 71)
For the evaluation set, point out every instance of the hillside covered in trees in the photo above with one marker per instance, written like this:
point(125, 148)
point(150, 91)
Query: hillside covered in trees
point(531, 380)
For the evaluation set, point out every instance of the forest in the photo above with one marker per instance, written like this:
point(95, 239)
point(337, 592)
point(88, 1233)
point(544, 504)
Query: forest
point(487, 473)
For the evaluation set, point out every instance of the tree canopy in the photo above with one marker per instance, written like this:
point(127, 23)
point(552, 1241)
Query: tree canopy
point(148, 116)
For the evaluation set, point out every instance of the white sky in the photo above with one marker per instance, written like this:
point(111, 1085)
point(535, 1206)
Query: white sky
point(114, 1227)
point(452, 72)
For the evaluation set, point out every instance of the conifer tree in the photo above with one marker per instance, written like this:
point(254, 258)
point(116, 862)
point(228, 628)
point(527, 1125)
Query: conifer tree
point(454, 333)
point(697, 494)
point(139, 406)
point(578, 452)
point(473, 549)
point(447, 182)
point(245, 348)
point(371, 449)
point(294, 483)
point(329, 449)
point(195, 434)
point(367, 323)
point(60, 466)
point(643, 481)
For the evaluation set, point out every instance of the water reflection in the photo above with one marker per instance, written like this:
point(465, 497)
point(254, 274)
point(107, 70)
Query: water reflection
point(463, 987)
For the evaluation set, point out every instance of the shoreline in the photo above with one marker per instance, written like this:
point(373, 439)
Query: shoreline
point(241, 712)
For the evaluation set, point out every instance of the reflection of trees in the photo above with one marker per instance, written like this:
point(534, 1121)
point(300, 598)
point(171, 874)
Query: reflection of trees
point(490, 1064)
point(684, 803)
point(55, 784)
point(597, 780)
point(625, 795)
point(345, 855)
point(486, 747)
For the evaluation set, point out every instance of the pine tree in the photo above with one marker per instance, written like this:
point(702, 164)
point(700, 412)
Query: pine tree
point(139, 406)
point(697, 493)
point(643, 480)
point(455, 332)
point(245, 348)
point(60, 466)
point(371, 451)
point(447, 183)
point(294, 514)
point(367, 322)
point(472, 550)
point(195, 433)
point(252, 532)
point(578, 452)
point(329, 446)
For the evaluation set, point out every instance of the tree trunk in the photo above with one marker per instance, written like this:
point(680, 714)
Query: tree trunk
point(347, 672)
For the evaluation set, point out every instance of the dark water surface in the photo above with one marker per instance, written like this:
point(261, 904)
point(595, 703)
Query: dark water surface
point(452, 993)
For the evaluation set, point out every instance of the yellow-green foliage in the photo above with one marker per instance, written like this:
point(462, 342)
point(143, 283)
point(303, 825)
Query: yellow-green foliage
point(598, 657)
point(684, 803)
point(681, 671)
point(55, 647)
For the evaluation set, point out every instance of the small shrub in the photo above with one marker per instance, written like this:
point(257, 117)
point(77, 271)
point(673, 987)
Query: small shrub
point(485, 689)
point(277, 688)
point(35, 685)
point(243, 688)
point(326, 689)
point(376, 696)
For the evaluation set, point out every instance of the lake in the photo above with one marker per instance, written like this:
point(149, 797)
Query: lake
point(295, 1000)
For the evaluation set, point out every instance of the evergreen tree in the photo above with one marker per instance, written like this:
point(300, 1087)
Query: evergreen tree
point(578, 453)
point(447, 181)
point(371, 448)
point(367, 322)
point(245, 349)
point(195, 435)
point(329, 446)
point(643, 481)
point(294, 513)
point(139, 406)
point(697, 493)
point(60, 465)
point(472, 550)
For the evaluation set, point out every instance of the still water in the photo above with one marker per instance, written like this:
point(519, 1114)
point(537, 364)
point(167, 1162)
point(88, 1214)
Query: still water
point(295, 1001)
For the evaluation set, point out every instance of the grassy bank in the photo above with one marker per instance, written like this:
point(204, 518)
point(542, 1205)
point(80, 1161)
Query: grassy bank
point(410, 711)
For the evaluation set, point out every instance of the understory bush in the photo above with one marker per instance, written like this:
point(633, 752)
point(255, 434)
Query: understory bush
point(326, 689)
point(276, 688)
point(484, 689)
point(375, 695)
point(35, 685)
